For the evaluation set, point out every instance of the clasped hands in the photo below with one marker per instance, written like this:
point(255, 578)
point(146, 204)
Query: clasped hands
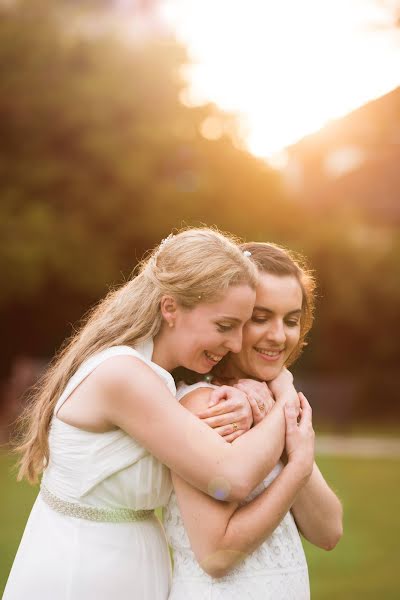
point(234, 409)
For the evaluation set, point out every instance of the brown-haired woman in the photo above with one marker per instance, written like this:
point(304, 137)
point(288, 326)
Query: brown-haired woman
point(104, 426)
point(253, 550)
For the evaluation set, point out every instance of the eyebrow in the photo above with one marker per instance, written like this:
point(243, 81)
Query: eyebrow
point(298, 311)
point(226, 318)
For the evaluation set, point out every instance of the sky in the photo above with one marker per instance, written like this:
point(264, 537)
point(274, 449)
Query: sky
point(285, 67)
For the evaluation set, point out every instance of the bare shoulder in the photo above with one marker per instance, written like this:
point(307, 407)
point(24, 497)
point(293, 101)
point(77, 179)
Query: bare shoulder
point(126, 379)
point(119, 371)
point(197, 401)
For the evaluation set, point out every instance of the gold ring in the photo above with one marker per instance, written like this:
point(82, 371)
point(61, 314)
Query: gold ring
point(261, 406)
point(235, 426)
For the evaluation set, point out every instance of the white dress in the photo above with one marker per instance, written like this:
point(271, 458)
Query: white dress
point(277, 570)
point(65, 557)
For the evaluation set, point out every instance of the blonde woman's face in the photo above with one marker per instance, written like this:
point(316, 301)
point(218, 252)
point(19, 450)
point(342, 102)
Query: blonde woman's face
point(205, 334)
point(273, 332)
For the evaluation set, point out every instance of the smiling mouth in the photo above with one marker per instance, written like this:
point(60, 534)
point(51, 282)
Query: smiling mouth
point(214, 358)
point(269, 354)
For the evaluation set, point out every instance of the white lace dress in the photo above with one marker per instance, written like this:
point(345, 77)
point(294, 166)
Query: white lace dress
point(81, 541)
point(277, 570)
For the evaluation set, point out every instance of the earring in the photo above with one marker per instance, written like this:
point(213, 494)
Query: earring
point(170, 324)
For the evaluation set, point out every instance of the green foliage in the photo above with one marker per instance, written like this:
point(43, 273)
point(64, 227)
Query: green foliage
point(99, 160)
point(98, 156)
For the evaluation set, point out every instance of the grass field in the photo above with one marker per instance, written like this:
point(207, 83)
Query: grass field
point(364, 565)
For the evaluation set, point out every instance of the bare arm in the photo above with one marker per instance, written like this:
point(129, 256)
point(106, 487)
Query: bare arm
point(222, 534)
point(197, 401)
point(318, 512)
point(131, 396)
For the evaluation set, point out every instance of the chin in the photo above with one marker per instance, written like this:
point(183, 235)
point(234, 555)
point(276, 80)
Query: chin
point(269, 374)
point(197, 368)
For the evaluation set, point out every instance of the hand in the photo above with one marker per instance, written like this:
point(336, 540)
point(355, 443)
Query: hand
point(259, 396)
point(300, 436)
point(290, 404)
point(281, 382)
point(283, 389)
point(229, 412)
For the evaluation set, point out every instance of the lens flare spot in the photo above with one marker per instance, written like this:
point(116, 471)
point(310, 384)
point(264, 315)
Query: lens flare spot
point(219, 488)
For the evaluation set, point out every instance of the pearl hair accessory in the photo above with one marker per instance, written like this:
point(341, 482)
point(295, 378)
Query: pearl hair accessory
point(162, 245)
point(246, 252)
point(166, 240)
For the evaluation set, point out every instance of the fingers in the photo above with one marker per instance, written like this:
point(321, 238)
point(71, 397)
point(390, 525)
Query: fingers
point(258, 414)
point(222, 408)
point(259, 397)
point(220, 393)
point(232, 436)
point(306, 410)
point(228, 429)
point(290, 418)
point(221, 420)
point(231, 399)
point(258, 388)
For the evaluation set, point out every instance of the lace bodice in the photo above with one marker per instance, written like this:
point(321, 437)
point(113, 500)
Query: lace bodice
point(276, 570)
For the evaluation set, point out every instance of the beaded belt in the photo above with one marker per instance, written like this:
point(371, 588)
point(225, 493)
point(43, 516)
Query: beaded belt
point(93, 513)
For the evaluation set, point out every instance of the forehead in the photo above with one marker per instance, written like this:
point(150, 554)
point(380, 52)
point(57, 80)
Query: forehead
point(238, 298)
point(277, 292)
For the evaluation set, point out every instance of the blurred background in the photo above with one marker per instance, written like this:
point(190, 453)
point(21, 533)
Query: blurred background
point(121, 120)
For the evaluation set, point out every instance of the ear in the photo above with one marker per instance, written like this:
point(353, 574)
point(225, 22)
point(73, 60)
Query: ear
point(168, 307)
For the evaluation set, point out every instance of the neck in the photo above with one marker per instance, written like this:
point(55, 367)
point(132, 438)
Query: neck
point(230, 373)
point(162, 352)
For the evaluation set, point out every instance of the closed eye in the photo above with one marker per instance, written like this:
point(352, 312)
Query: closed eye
point(259, 319)
point(223, 328)
point(293, 323)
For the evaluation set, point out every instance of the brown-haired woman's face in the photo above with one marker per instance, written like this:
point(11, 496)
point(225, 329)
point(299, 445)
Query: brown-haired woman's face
point(273, 331)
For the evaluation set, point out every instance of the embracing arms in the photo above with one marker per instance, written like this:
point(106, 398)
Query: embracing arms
point(223, 534)
point(316, 509)
point(131, 396)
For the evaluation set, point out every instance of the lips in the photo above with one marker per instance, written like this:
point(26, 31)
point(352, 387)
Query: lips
point(214, 358)
point(269, 354)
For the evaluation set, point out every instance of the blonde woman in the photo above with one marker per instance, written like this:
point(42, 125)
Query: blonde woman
point(252, 549)
point(104, 426)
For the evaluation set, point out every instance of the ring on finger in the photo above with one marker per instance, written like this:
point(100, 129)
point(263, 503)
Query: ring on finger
point(235, 426)
point(261, 406)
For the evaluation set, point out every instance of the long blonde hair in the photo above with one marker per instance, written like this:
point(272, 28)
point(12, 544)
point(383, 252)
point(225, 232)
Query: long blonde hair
point(195, 265)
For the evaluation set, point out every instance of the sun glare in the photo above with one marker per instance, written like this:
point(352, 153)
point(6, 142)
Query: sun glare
point(285, 67)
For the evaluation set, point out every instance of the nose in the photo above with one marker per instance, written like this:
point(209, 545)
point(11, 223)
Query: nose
point(276, 331)
point(234, 344)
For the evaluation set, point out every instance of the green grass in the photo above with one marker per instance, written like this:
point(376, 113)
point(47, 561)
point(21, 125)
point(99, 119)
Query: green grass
point(363, 565)
point(366, 561)
point(16, 500)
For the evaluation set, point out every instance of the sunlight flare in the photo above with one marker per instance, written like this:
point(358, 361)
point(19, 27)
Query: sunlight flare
point(285, 67)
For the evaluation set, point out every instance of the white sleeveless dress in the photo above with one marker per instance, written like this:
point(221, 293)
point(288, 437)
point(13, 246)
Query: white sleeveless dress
point(277, 570)
point(65, 557)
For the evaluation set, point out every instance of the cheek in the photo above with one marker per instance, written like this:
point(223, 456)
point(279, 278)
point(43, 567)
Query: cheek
point(293, 337)
point(251, 334)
